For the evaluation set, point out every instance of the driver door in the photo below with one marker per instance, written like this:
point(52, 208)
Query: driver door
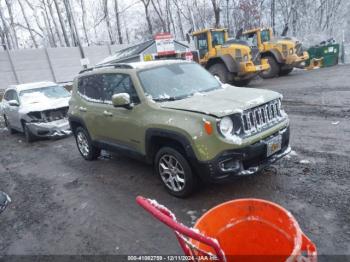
point(201, 42)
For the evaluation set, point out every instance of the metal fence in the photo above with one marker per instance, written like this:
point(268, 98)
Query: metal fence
point(51, 64)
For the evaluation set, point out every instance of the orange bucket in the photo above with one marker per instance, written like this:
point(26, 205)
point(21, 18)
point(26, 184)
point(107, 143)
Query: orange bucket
point(255, 230)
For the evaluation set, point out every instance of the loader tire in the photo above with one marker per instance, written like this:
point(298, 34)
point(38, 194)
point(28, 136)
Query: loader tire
point(220, 71)
point(241, 83)
point(274, 69)
point(285, 72)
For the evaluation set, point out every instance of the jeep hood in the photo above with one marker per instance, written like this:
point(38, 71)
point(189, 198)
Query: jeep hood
point(223, 102)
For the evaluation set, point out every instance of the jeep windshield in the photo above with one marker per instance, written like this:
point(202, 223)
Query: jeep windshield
point(177, 81)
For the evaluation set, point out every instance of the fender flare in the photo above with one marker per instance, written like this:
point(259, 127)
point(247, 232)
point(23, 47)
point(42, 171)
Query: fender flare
point(77, 120)
point(275, 54)
point(230, 63)
point(171, 135)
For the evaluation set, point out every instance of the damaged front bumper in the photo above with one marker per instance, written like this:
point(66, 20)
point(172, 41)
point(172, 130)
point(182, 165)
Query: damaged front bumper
point(242, 162)
point(57, 128)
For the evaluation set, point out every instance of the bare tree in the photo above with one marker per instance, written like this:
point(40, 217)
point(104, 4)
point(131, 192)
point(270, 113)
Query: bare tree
point(49, 4)
point(216, 10)
point(117, 18)
point(63, 26)
point(160, 14)
point(148, 18)
point(12, 23)
point(70, 22)
point(28, 24)
point(108, 21)
point(5, 31)
point(83, 20)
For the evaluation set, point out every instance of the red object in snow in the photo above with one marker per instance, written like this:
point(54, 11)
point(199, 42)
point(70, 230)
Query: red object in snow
point(239, 230)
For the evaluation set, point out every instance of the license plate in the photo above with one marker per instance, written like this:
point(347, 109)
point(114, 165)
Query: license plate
point(274, 145)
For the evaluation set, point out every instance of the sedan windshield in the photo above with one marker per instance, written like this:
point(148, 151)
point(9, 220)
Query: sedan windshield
point(38, 95)
point(177, 81)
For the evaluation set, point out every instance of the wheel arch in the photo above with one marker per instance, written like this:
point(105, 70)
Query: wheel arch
point(156, 138)
point(76, 122)
point(275, 54)
point(230, 63)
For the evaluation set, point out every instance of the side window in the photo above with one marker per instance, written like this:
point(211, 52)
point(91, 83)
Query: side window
point(202, 44)
point(11, 95)
point(90, 87)
point(116, 84)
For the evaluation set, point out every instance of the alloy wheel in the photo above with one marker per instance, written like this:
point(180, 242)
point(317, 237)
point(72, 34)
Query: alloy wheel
point(172, 172)
point(83, 144)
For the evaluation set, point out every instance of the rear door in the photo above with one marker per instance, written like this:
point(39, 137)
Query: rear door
point(91, 104)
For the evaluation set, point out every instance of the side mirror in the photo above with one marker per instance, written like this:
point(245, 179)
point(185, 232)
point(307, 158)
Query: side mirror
point(121, 100)
point(13, 103)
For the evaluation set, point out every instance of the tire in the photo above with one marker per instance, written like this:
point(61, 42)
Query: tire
point(84, 143)
point(274, 69)
point(244, 82)
point(220, 71)
point(7, 125)
point(172, 158)
point(285, 72)
point(29, 137)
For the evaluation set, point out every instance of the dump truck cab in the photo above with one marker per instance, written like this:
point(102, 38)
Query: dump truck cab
point(231, 60)
point(283, 53)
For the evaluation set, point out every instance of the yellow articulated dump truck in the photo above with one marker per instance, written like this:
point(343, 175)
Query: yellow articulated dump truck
point(233, 61)
point(283, 53)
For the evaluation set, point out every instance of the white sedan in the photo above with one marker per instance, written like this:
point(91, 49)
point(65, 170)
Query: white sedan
point(36, 109)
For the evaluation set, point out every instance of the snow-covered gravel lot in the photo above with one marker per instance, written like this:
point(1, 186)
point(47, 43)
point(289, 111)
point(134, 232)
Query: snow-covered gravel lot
point(65, 205)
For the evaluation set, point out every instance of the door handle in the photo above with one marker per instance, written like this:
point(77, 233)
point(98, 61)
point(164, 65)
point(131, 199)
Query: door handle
point(82, 109)
point(106, 113)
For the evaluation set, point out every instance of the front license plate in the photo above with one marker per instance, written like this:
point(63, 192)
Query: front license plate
point(273, 145)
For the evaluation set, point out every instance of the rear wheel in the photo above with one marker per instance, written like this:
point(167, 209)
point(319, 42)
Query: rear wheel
point(220, 71)
point(285, 72)
point(175, 172)
point(7, 125)
point(274, 69)
point(84, 143)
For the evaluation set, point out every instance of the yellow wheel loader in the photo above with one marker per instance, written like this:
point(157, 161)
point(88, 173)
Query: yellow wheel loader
point(283, 54)
point(233, 61)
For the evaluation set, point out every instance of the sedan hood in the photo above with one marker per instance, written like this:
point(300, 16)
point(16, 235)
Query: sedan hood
point(223, 102)
point(44, 105)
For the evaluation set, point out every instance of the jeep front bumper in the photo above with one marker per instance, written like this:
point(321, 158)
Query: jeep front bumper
point(245, 161)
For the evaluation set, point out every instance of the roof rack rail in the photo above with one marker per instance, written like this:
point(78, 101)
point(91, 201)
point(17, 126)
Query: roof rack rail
point(115, 65)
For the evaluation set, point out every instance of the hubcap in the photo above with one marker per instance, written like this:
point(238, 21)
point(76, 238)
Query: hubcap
point(83, 144)
point(172, 172)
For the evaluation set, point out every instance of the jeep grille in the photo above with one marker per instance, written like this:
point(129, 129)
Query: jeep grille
point(259, 118)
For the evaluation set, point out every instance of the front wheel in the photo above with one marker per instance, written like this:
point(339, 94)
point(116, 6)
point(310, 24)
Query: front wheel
point(84, 143)
point(274, 69)
point(175, 172)
point(29, 136)
point(7, 125)
point(285, 72)
point(220, 71)
point(244, 82)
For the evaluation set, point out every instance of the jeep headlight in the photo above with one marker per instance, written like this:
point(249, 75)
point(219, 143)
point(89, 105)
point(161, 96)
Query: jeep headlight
point(226, 126)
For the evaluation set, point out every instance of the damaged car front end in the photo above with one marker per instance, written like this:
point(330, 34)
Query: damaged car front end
point(49, 123)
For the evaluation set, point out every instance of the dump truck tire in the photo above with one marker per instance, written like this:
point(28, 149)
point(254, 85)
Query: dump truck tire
point(244, 82)
point(274, 69)
point(285, 72)
point(220, 71)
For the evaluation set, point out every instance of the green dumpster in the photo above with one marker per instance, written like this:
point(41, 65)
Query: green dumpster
point(329, 53)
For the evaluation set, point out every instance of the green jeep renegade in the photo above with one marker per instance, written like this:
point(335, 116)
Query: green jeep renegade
point(178, 117)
